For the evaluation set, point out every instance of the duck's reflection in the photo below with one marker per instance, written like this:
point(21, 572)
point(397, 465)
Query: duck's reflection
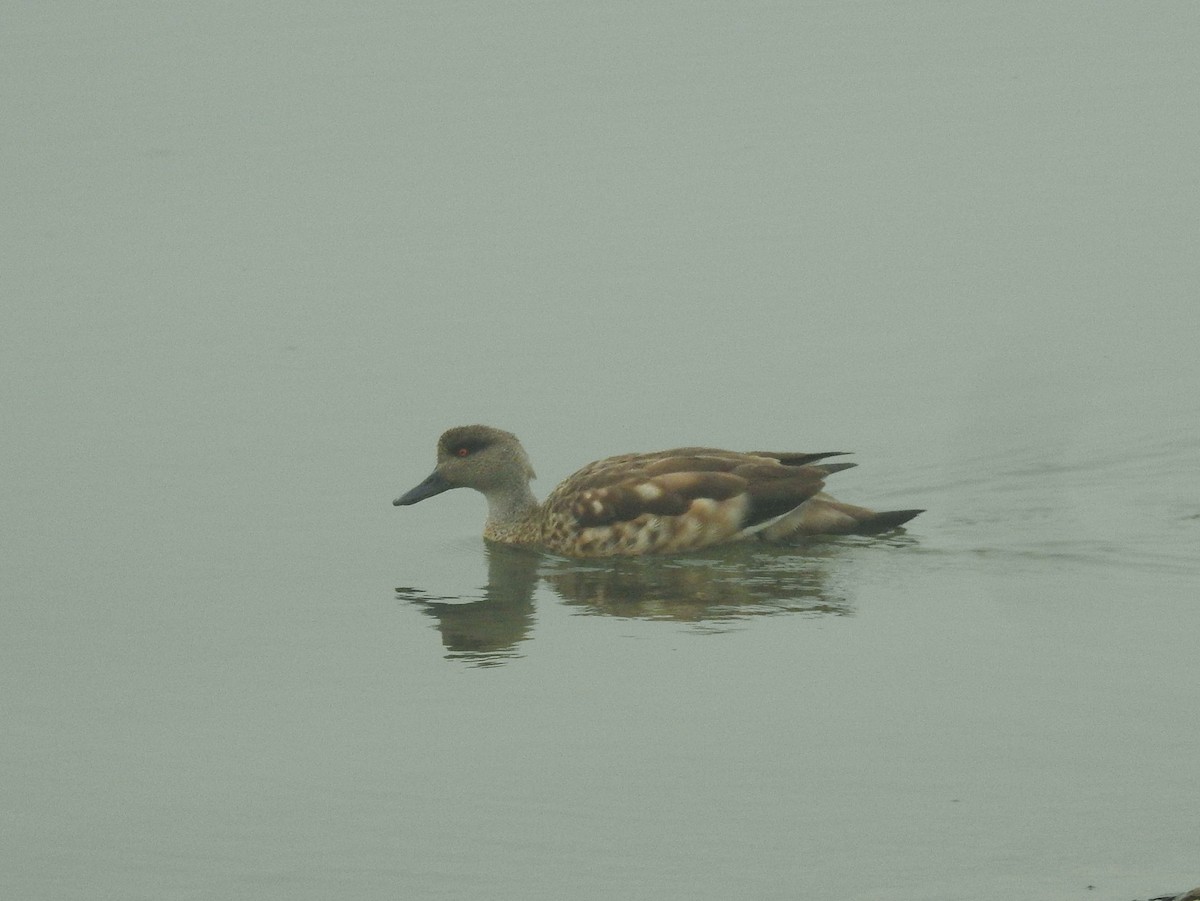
point(488, 630)
point(712, 590)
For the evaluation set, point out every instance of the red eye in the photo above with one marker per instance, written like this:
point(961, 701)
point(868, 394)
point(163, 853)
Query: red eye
point(462, 452)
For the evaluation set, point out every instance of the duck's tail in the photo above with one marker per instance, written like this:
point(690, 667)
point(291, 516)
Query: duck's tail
point(884, 522)
point(824, 515)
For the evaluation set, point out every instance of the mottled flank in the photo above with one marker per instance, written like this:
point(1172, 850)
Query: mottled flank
point(658, 503)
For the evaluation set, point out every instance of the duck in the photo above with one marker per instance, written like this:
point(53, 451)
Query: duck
point(663, 502)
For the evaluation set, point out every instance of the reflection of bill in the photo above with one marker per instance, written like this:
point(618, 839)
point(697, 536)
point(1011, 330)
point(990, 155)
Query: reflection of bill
point(711, 590)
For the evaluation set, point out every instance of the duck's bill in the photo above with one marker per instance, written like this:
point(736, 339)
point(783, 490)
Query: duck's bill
point(435, 484)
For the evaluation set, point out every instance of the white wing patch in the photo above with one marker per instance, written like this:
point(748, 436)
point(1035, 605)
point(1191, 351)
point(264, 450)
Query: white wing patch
point(648, 491)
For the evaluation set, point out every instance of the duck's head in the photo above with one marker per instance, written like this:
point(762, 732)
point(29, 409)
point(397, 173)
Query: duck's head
point(474, 456)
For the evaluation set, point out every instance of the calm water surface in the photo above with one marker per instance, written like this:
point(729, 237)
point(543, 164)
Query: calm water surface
point(258, 258)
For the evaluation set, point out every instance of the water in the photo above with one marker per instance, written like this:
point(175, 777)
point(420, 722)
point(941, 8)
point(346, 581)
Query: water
point(257, 259)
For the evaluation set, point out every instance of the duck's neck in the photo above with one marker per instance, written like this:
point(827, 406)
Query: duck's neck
point(512, 512)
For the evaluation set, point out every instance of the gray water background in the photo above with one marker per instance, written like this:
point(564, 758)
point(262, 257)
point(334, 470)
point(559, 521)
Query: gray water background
point(257, 256)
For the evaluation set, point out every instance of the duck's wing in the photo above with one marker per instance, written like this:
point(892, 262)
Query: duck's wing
point(715, 493)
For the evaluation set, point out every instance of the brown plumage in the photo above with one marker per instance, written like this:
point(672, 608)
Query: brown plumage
point(664, 502)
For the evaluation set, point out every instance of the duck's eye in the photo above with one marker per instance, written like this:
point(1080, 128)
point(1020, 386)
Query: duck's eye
point(462, 452)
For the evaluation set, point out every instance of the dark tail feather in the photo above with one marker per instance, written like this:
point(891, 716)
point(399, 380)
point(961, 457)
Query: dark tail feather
point(831, 468)
point(799, 459)
point(885, 521)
